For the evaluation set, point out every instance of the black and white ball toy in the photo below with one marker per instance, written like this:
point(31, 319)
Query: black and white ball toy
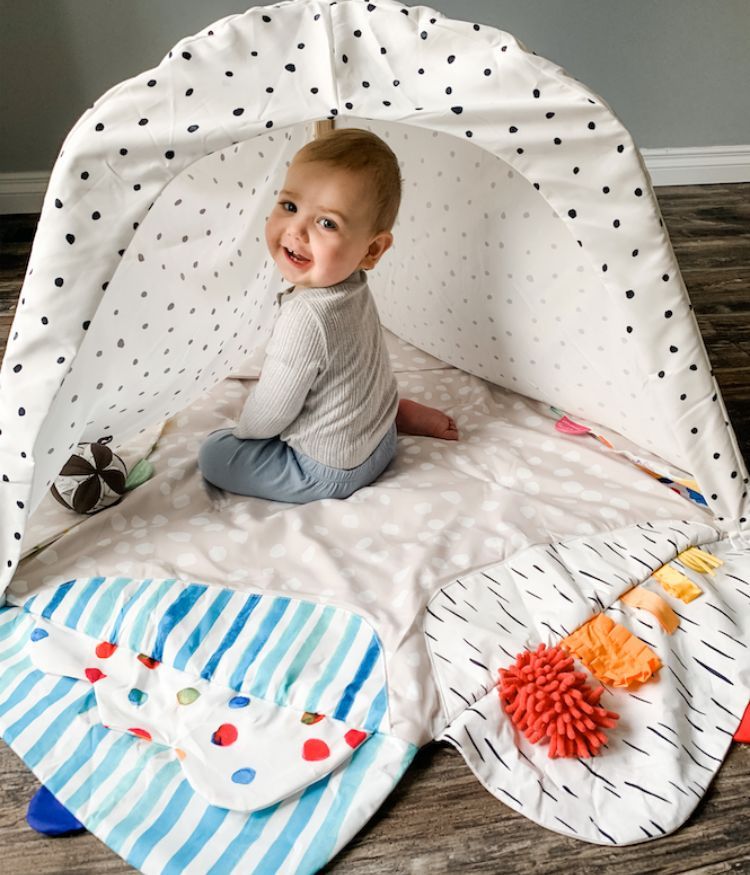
point(91, 479)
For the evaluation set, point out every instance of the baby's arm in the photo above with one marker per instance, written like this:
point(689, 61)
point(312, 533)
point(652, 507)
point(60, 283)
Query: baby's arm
point(293, 359)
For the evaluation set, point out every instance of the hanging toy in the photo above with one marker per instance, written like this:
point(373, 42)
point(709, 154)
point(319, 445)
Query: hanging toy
point(566, 425)
point(685, 487)
point(546, 699)
point(95, 478)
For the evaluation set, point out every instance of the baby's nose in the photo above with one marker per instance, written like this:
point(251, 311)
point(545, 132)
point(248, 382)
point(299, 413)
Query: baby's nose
point(299, 229)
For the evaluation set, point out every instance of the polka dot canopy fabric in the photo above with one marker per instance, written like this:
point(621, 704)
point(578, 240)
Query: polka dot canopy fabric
point(531, 270)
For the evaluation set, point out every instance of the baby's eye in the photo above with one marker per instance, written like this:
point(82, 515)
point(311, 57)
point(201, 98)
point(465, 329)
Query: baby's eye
point(285, 204)
point(330, 226)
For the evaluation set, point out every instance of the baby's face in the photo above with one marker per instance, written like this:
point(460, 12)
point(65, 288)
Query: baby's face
point(319, 231)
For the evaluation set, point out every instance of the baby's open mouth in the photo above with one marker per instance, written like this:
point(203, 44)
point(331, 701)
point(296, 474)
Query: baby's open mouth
point(294, 257)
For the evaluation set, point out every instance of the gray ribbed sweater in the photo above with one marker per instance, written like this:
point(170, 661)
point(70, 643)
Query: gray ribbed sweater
point(326, 386)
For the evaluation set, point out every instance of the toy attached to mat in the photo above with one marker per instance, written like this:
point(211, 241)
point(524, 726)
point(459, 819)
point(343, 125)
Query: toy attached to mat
point(50, 817)
point(550, 702)
point(94, 478)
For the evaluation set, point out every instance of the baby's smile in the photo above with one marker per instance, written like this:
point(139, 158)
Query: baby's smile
point(295, 257)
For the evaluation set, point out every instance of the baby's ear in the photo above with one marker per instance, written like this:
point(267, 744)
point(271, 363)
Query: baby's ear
point(379, 245)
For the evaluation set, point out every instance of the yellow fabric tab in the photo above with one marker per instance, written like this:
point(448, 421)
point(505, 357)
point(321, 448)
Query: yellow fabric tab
point(638, 597)
point(699, 560)
point(691, 484)
point(611, 653)
point(677, 584)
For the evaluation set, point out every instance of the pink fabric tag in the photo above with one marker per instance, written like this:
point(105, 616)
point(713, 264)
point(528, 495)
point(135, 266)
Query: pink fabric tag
point(567, 426)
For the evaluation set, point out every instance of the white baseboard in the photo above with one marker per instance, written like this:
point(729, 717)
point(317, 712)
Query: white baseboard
point(702, 165)
point(24, 192)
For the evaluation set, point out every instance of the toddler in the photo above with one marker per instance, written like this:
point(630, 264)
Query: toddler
point(321, 422)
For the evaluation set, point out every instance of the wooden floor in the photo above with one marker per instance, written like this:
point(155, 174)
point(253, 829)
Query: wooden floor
point(439, 819)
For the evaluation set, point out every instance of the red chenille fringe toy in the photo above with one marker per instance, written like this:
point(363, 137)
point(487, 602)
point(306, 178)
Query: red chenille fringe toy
point(546, 698)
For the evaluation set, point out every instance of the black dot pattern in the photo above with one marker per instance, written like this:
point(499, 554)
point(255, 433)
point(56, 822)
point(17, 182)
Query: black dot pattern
point(573, 316)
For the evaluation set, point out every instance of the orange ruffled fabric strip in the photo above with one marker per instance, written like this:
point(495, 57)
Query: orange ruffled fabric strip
point(638, 597)
point(611, 653)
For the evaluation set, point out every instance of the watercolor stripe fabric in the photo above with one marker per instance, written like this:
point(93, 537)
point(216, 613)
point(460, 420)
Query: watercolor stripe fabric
point(133, 793)
point(311, 657)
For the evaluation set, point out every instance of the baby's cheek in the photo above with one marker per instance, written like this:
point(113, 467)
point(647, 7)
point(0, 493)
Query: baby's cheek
point(339, 249)
point(270, 233)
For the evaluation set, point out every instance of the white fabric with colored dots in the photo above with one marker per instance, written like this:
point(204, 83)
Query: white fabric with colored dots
point(281, 751)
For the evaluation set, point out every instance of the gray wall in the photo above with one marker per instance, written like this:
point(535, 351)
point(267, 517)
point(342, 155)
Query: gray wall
point(676, 72)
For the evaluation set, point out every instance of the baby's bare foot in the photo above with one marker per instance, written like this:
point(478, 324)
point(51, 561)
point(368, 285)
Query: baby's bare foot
point(415, 418)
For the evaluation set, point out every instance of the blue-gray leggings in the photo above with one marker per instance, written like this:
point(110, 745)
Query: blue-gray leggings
point(270, 468)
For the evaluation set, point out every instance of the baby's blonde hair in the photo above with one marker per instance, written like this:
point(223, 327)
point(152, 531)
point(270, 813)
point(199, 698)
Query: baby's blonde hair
point(362, 151)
